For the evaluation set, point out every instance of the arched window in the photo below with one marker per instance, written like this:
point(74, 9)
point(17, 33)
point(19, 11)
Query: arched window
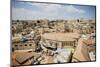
point(30, 44)
point(25, 44)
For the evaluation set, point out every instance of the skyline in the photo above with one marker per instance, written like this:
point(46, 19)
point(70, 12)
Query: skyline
point(34, 11)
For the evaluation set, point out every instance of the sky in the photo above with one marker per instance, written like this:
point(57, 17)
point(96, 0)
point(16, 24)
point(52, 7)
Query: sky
point(51, 11)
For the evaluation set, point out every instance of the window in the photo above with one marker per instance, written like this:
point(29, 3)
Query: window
point(16, 45)
point(25, 44)
point(30, 44)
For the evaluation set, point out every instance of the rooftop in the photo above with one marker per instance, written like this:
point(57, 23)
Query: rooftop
point(22, 57)
point(61, 36)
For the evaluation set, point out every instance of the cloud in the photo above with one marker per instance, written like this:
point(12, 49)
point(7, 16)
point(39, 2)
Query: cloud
point(72, 9)
point(46, 11)
point(56, 7)
point(24, 14)
point(46, 7)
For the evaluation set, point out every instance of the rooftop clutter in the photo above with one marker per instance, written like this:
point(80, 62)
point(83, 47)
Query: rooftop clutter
point(47, 42)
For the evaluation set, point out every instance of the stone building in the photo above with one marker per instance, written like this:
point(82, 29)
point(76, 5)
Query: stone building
point(17, 44)
point(62, 40)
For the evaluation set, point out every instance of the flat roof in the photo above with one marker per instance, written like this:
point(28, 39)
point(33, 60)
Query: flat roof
point(81, 53)
point(23, 56)
point(61, 36)
point(89, 42)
